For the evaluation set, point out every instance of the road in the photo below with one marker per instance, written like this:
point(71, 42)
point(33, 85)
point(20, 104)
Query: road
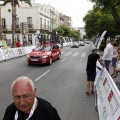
point(63, 83)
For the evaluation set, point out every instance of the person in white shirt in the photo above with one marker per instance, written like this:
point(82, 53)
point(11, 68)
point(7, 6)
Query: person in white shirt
point(108, 53)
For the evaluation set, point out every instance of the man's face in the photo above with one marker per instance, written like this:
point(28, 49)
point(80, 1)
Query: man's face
point(23, 96)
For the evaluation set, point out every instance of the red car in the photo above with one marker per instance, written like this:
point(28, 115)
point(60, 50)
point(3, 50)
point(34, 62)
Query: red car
point(44, 54)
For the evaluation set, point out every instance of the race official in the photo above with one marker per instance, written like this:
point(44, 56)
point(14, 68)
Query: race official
point(26, 105)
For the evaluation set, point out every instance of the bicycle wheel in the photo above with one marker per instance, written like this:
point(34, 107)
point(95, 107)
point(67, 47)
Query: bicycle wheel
point(37, 42)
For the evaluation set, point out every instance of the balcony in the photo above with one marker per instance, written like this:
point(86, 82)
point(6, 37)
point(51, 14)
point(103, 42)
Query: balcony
point(4, 27)
point(30, 27)
point(44, 27)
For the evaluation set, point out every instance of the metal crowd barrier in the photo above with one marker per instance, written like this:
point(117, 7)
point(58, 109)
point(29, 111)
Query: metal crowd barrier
point(10, 53)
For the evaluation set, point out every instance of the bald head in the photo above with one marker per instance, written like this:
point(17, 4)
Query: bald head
point(23, 81)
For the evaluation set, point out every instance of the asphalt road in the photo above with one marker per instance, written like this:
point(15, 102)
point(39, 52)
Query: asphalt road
point(63, 83)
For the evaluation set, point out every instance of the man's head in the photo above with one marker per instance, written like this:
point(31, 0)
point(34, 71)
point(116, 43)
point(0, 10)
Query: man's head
point(24, 93)
point(94, 50)
point(108, 41)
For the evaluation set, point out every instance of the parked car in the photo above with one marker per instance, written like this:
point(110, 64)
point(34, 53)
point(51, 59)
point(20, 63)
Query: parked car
point(75, 44)
point(82, 43)
point(87, 42)
point(44, 54)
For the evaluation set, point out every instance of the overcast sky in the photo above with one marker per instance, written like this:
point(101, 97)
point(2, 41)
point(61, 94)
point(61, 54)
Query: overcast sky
point(74, 8)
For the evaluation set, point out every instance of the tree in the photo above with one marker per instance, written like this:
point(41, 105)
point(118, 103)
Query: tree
point(111, 7)
point(97, 21)
point(66, 31)
point(14, 3)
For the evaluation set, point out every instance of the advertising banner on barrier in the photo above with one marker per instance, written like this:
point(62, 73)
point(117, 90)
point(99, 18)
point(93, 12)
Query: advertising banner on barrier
point(108, 97)
point(8, 53)
point(20, 51)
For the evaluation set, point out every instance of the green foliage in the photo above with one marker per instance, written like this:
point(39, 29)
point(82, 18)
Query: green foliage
point(109, 7)
point(96, 21)
point(66, 31)
point(16, 2)
point(102, 46)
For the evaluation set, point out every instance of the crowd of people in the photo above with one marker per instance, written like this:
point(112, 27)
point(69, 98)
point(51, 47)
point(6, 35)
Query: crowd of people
point(110, 59)
point(25, 43)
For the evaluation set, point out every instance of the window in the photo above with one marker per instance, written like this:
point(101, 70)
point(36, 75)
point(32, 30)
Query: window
point(48, 25)
point(40, 22)
point(44, 23)
point(29, 21)
point(3, 23)
point(17, 22)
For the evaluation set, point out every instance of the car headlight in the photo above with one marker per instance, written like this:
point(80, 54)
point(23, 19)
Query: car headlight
point(44, 56)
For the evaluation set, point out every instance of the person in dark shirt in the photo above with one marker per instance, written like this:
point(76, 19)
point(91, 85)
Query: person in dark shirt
point(26, 105)
point(91, 70)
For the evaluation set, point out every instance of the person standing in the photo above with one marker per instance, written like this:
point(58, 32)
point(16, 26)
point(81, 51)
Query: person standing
point(91, 70)
point(114, 59)
point(62, 44)
point(26, 105)
point(108, 53)
point(18, 43)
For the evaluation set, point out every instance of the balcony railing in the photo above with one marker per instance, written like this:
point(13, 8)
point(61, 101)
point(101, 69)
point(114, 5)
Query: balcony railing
point(17, 26)
point(4, 27)
point(30, 26)
point(44, 27)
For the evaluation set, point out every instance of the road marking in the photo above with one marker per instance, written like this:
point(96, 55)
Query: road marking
point(83, 55)
point(42, 75)
point(75, 54)
point(68, 53)
point(63, 60)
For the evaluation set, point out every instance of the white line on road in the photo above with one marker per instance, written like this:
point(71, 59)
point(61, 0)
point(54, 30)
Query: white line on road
point(42, 75)
point(68, 53)
point(75, 54)
point(63, 60)
point(83, 55)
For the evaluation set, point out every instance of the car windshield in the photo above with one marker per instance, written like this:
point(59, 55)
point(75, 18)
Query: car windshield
point(42, 48)
point(75, 42)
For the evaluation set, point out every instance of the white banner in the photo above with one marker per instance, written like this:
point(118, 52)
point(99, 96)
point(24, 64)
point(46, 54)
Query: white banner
point(108, 97)
point(101, 38)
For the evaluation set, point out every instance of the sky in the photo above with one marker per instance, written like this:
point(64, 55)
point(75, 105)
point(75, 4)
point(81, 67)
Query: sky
point(76, 9)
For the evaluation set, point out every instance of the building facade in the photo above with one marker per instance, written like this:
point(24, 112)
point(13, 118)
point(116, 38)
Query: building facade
point(40, 19)
point(67, 20)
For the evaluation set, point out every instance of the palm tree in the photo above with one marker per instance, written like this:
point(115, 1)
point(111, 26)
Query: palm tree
point(14, 3)
point(0, 25)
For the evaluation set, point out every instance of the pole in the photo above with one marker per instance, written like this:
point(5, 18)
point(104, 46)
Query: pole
point(13, 24)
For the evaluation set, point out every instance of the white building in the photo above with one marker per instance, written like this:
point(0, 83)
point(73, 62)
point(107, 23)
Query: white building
point(82, 31)
point(38, 17)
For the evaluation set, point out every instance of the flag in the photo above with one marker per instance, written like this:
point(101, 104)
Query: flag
point(101, 38)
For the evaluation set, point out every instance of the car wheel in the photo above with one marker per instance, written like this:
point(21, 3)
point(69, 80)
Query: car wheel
point(59, 56)
point(50, 62)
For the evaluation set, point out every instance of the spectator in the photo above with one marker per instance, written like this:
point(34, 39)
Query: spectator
point(91, 70)
point(118, 71)
point(62, 44)
point(24, 42)
point(114, 59)
point(18, 43)
point(108, 53)
point(26, 105)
